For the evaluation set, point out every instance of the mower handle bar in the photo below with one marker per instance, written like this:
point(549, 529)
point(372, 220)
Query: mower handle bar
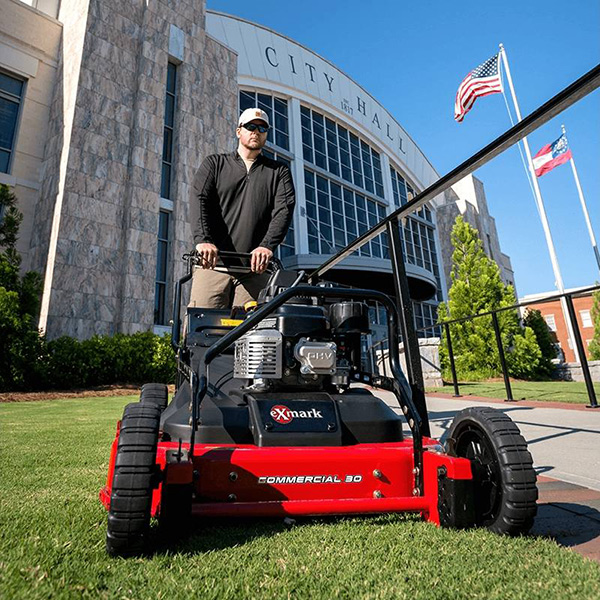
point(192, 260)
point(274, 262)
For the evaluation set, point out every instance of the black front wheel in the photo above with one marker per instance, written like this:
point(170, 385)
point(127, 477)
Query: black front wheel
point(134, 480)
point(155, 393)
point(505, 491)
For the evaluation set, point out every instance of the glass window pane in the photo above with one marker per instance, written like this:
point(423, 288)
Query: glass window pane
point(4, 158)
point(306, 136)
point(324, 215)
point(247, 100)
point(319, 144)
point(167, 144)
point(336, 205)
point(169, 110)
point(281, 123)
point(282, 140)
point(307, 153)
point(165, 183)
point(8, 122)
point(10, 85)
point(280, 106)
point(161, 262)
point(163, 225)
point(171, 77)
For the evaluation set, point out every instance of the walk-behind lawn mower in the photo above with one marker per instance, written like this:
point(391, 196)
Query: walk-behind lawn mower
point(276, 415)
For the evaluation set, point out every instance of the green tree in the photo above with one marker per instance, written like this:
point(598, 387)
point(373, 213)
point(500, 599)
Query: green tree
point(477, 288)
point(595, 343)
point(20, 343)
point(543, 335)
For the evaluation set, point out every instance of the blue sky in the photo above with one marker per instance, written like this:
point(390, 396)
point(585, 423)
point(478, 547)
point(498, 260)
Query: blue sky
point(412, 57)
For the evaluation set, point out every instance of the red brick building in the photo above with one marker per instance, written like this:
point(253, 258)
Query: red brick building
point(554, 317)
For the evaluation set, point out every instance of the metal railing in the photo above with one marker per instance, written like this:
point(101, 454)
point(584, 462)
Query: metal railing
point(568, 296)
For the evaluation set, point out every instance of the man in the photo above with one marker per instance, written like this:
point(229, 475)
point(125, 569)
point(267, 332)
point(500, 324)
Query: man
point(244, 203)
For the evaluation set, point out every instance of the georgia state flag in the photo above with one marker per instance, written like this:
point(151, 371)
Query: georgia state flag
point(552, 155)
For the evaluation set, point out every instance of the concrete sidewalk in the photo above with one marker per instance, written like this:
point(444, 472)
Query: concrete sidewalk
point(565, 444)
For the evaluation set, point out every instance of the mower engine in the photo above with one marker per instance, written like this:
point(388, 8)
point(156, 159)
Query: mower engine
point(303, 346)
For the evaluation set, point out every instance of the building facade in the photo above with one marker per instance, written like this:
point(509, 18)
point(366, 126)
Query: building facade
point(108, 109)
point(101, 99)
point(554, 316)
point(467, 198)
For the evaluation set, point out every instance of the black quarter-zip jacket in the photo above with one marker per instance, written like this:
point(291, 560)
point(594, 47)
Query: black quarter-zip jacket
point(238, 210)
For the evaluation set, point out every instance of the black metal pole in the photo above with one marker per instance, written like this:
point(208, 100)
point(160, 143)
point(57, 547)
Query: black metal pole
point(509, 396)
point(452, 365)
point(585, 368)
point(409, 334)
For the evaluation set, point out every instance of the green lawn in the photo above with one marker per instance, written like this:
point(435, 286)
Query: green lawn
point(549, 391)
point(52, 527)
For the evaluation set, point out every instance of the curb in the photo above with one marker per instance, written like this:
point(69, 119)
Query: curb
point(528, 403)
point(569, 514)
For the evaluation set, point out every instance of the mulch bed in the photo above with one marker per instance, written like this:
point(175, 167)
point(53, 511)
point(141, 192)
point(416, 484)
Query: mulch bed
point(105, 390)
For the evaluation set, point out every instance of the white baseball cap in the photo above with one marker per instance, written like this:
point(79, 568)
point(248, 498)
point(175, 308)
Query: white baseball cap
point(250, 114)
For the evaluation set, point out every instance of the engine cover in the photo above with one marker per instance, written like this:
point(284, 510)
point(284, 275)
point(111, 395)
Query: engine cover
point(316, 358)
point(258, 354)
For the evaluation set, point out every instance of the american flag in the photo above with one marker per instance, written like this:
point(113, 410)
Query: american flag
point(483, 80)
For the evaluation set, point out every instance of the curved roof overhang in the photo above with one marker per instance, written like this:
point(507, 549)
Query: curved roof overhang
point(369, 273)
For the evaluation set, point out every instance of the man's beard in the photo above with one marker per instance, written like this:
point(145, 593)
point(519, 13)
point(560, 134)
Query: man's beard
point(253, 144)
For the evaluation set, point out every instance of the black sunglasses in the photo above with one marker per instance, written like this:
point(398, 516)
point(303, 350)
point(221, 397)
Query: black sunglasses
point(254, 127)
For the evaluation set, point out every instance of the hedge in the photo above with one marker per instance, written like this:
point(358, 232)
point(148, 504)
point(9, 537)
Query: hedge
point(67, 363)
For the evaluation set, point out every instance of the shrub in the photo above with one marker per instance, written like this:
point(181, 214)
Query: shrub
point(104, 360)
point(21, 345)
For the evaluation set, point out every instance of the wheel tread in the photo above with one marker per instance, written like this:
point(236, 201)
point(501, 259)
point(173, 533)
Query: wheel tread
point(518, 504)
point(133, 478)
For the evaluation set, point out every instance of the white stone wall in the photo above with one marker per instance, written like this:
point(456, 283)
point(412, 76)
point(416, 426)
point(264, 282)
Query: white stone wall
point(103, 204)
point(467, 198)
point(574, 372)
point(429, 349)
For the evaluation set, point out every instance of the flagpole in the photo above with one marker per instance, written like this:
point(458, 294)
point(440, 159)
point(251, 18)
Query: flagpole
point(542, 212)
point(583, 205)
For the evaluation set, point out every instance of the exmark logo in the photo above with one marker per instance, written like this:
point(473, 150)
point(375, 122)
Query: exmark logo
point(283, 415)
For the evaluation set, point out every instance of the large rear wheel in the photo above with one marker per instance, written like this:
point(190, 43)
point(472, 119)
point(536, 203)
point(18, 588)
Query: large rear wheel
point(504, 479)
point(133, 480)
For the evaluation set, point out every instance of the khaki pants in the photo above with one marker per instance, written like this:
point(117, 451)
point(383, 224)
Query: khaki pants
point(217, 289)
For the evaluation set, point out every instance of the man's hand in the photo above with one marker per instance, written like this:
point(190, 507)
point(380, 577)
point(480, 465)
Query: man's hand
point(208, 255)
point(260, 259)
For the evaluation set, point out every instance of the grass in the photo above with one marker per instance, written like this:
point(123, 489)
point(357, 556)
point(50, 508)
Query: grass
point(52, 528)
point(573, 392)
